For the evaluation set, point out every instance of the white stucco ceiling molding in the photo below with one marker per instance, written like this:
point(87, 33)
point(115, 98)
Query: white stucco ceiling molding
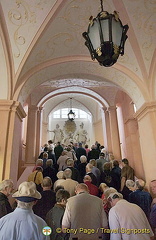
point(102, 88)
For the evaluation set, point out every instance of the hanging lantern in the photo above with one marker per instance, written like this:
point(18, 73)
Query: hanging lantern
point(105, 37)
point(71, 114)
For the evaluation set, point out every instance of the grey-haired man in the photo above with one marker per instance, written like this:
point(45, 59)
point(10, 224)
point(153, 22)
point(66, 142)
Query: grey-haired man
point(127, 221)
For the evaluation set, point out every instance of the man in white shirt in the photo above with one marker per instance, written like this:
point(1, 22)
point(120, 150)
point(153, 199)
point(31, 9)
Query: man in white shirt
point(127, 221)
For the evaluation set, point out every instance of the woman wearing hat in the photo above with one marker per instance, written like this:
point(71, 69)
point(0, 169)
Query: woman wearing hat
point(23, 224)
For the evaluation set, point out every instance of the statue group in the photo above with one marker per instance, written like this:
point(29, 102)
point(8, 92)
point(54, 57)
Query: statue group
point(79, 136)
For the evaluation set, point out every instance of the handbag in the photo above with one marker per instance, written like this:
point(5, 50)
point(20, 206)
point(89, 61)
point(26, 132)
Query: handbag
point(38, 186)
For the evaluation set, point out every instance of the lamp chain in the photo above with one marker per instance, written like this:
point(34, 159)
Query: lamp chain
point(70, 103)
point(101, 5)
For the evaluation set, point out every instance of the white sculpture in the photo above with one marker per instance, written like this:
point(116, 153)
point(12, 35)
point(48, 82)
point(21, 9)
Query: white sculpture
point(58, 134)
point(80, 135)
point(68, 139)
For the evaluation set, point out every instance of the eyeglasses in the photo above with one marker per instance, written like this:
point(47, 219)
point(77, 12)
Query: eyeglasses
point(109, 199)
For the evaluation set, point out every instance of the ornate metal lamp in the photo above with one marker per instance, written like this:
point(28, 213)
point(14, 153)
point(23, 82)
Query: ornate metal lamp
point(105, 37)
point(71, 114)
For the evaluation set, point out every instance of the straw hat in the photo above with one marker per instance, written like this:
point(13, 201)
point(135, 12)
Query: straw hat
point(27, 192)
point(60, 175)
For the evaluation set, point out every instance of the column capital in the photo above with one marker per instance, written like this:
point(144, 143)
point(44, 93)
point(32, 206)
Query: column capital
point(145, 109)
point(32, 107)
point(105, 109)
point(112, 108)
point(5, 105)
point(40, 109)
point(17, 107)
point(12, 106)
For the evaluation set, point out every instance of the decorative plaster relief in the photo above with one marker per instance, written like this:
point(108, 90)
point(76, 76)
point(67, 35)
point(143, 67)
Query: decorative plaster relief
point(82, 10)
point(23, 19)
point(76, 82)
point(20, 17)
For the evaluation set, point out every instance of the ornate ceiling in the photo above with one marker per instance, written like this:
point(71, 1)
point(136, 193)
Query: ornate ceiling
point(43, 50)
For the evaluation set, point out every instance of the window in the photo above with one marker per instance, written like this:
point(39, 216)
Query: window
point(134, 108)
point(63, 113)
point(56, 114)
point(83, 114)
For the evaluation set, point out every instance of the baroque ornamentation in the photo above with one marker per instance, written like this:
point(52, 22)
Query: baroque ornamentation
point(69, 14)
point(74, 82)
point(19, 17)
point(69, 127)
point(53, 43)
point(22, 15)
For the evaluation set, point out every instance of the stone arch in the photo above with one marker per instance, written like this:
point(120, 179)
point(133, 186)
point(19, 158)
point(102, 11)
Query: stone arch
point(84, 70)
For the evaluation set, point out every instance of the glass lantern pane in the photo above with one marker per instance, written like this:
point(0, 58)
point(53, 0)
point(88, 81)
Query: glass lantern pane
point(94, 35)
point(116, 32)
point(105, 29)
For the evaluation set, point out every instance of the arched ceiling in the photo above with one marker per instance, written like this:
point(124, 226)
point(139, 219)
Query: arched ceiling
point(47, 51)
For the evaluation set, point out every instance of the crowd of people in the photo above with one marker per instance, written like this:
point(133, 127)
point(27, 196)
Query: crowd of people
point(79, 194)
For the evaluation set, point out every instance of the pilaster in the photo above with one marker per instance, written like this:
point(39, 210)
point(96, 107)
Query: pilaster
point(11, 115)
point(114, 132)
point(107, 134)
point(133, 146)
point(38, 131)
point(146, 117)
point(31, 134)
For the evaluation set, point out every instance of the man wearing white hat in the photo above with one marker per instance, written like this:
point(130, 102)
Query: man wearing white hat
point(23, 224)
point(127, 221)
